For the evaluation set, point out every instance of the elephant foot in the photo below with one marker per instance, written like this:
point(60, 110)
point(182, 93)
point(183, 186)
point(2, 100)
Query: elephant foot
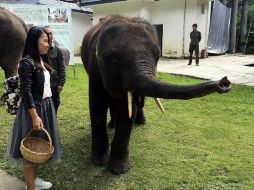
point(119, 166)
point(100, 160)
point(111, 125)
point(140, 119)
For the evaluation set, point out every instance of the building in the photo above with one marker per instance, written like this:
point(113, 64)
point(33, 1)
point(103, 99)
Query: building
point(81, 23)
point(172, 19)
point(81, 20)
point(81, 17)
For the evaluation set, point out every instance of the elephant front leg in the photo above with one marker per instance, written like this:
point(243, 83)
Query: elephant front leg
point(119, 156)
point(98, 112)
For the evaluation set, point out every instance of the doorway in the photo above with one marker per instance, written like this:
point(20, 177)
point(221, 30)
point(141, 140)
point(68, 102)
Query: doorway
point(159, 33)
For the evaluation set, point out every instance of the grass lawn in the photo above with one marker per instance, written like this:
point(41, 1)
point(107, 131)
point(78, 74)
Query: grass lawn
point(205, 143)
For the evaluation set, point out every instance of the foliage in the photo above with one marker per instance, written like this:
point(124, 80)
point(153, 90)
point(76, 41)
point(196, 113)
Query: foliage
point(204, 143)
point(250, 43)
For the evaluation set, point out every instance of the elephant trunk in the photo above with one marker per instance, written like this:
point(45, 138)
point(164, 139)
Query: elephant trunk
point(154, 88)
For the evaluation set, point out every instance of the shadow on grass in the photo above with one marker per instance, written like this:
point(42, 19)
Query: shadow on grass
point(75, 170)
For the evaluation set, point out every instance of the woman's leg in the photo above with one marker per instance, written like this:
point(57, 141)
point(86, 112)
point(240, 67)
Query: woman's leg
point(30, 175)
point(35, 172)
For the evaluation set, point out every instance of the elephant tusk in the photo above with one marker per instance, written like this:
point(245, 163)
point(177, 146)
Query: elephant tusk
point(158, 102)
point(129, 103)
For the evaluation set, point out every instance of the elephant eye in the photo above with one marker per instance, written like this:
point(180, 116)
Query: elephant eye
point(114, 60)
point(111, 59)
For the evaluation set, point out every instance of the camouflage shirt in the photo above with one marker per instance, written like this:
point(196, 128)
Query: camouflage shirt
point(195, 37)
point(58, 76)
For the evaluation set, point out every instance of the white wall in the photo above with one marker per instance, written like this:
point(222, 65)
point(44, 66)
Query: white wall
point(81, 23)
point(146, 10)
point(176, 35)
point(170, 13)
point(194, 15)
point(127, 8)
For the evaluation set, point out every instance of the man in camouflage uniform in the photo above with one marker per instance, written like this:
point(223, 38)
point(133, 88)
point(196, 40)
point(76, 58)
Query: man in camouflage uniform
point(195, 36)
point(58, 76)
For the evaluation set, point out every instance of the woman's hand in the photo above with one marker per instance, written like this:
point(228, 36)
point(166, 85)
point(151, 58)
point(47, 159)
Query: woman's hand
point(60, 88)
point(37, 122)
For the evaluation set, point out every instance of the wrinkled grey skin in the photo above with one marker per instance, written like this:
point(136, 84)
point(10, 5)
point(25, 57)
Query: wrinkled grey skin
point(12, 40)
point(120, 54)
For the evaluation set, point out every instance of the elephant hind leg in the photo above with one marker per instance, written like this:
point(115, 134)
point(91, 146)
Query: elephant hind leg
point(140, 117)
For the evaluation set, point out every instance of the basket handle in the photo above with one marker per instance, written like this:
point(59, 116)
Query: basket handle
point(45, 131)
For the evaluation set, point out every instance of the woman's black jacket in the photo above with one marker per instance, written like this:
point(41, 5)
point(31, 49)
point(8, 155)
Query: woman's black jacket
point(31, 82)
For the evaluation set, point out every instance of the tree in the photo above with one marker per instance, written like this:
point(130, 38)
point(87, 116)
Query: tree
point(243, 28)
point(224, 2)
point(233, 24)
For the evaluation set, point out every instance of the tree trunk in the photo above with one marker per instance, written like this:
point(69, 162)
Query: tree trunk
point(233, 26)
point(224, 2)
point(243, 29)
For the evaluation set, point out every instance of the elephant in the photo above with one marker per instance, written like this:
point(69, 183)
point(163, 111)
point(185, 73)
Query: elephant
point(13, 33)
point(140, 118)
point(120, 56)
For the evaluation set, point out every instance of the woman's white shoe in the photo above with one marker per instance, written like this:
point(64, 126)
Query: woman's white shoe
point(41, 184)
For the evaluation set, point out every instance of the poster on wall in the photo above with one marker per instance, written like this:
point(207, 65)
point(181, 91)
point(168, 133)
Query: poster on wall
point(58, 18)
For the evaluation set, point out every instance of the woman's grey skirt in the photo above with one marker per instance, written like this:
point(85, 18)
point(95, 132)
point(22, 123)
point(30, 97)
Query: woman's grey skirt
point(23, 124)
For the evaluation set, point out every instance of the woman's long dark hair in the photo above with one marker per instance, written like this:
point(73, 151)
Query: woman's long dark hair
point(31, 48)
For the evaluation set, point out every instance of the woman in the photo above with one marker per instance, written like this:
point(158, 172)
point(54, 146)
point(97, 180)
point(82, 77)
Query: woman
point(36, 109)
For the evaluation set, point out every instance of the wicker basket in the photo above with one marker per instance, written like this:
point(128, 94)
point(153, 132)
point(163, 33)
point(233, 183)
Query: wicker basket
point(36, 150)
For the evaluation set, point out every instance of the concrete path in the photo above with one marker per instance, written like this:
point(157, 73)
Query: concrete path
point(8, 182)
point(214, 67)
